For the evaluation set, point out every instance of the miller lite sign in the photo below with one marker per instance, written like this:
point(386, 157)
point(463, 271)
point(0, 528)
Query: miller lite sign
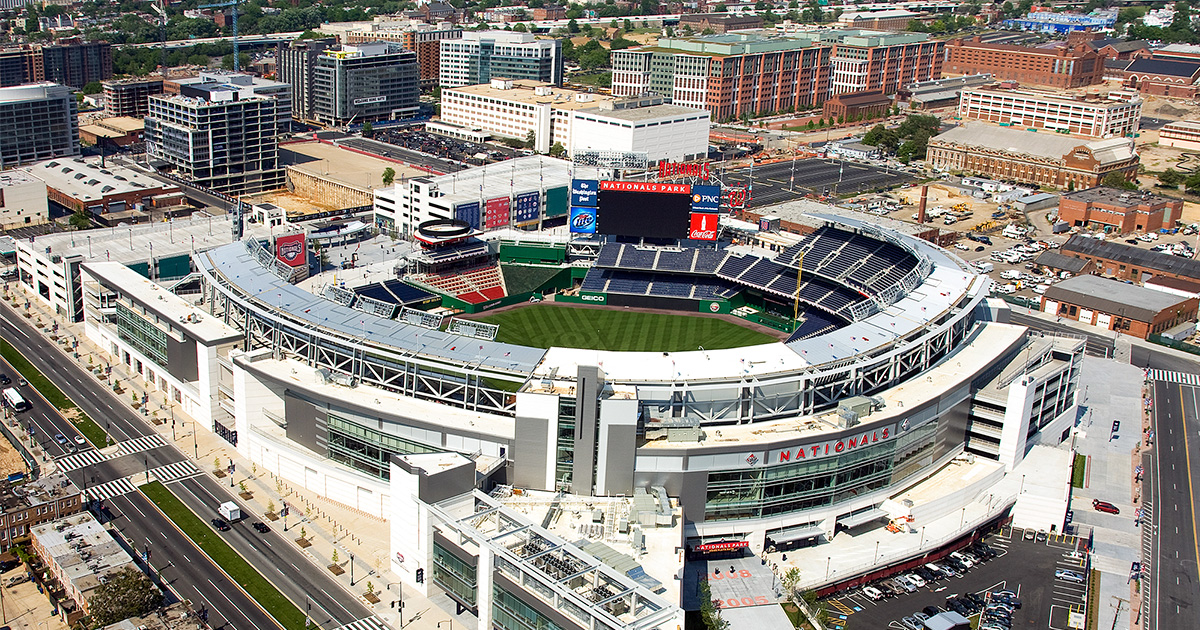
point(290, 250)
point(704, 227)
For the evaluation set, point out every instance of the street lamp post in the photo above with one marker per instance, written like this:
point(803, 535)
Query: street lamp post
point(351, 568)
point(876, 552)
point(399, 603)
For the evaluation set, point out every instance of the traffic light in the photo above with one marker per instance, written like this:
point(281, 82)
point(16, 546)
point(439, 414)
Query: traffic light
point(420, 576)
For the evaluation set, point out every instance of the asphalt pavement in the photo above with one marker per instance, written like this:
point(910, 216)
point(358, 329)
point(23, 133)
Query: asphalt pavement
point(139, 451)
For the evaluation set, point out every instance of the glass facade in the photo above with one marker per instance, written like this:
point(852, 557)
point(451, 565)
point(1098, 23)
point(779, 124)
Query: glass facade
point(148, 339)
point(759, 492)
point(453, 575)
point(564, 459)
point(510, 613)
point(368, 450)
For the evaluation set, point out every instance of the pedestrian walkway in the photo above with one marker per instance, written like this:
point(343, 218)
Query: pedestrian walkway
point(1173, 377)
point(79, 460)
point(366, 623)
point(110, 489)
point(139, 444)
point(177, 471)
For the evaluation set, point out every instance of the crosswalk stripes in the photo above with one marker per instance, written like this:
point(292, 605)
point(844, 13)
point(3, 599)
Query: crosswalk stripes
point(366, 623)
point(109, 489)
point(1184, 378)
point(81, 459)
point(139, 444)
point(174, 471)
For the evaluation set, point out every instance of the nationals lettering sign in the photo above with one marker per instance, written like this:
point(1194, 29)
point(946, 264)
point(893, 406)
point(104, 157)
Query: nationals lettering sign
point(681, 189)
point(290, 250)
point(851, 442)
point(704, 227)
point(675, 169)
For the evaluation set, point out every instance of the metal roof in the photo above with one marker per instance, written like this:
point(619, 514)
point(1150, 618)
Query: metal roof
point(1056, 260)
point(1113, 297)
point(1151, 261)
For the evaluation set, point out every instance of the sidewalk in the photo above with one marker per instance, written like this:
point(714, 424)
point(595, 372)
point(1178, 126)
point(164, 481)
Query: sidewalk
point(328, 525)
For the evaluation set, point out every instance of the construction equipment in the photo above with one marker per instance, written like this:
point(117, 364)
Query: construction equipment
point(237, 65)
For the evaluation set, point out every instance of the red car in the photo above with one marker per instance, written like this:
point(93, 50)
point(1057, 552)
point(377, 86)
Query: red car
point(1105, 506)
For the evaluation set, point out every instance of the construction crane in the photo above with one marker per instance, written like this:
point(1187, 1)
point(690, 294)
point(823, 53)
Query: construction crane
point(237, 64)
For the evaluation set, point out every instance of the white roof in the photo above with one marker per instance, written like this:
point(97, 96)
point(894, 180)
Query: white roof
point(180, 313)
point(85, 180)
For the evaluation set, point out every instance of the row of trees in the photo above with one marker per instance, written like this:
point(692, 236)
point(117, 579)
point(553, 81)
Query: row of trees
point(909, 141)
point(1180, 30)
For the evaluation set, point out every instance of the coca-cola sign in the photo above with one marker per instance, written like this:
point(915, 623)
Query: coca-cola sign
point(703, 227)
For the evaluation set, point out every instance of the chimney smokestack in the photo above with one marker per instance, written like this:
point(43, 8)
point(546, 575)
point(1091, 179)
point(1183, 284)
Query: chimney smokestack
point(924, 200)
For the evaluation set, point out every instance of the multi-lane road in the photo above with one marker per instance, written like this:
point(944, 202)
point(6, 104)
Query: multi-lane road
point(110, 475)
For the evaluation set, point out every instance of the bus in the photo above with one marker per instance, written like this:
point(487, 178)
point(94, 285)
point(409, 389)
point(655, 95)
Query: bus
point(14, 400)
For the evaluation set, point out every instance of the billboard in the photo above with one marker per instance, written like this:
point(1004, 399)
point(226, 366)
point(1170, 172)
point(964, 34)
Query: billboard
point(291, 250)
point(583, 220)
point(706, 198)
point(496, 215)
point(703, 226)
point(644, 209)
point(468, 212)
point(583, 192)
point(525, 207)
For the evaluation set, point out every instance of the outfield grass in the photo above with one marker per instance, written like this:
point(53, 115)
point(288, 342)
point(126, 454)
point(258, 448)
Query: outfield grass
point(545, 325)
point(263, 592)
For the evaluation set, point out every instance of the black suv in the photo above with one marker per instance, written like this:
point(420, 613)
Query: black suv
point(261, 527)
point(220, 524)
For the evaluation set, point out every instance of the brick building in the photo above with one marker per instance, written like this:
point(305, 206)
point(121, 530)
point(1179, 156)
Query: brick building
point(1184, 134)
point(866, 60)
point(120, 131)
point(1162, 77)
point(1055, 67)
point(87, 187)
point(130, 97)
point(1114, 305)
point(857, 106)
point(1123, 210)
point(890, 20)
point(1126, 262)
point(719, 22)
point(422, 38)
point(48, 498)
point(1036, 158)
point(71, 62)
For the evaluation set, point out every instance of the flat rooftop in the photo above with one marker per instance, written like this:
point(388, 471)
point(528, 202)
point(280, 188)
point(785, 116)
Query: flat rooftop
point(1091, 101)
point(527, 91)
point(32, 493)
point(179, 312)
point(648, 113)
point(86, 180)
point(83, 548)
point(17, 178)
point(131, 243)
point(350, 168)
point(1113, 297)
point(1118, 198)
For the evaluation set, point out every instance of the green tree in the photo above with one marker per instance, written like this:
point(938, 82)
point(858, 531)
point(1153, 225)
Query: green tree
point(710, 613)
point(389, 176)
point(790, 580)
point(80, 221)
point(721, 8)
point(126, 593)
point(1171, 178)
point(572, 26)
point(1117, 179)
point(368, 130)
point(520, 28)
point(530, 139)
point(93, 88)
point(558, 149)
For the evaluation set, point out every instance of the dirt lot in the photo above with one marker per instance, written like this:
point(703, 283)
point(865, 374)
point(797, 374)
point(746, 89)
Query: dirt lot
point(10, 459)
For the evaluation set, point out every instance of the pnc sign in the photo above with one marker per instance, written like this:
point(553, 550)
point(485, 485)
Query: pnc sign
point(676, 169)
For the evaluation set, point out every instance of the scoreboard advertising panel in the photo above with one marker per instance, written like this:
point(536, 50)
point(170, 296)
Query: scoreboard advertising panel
point(643, 209)
point(291, 250)
point(496, 212)
point(526, 207)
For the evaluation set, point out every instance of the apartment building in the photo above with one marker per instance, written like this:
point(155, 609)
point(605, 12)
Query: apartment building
point(38, 122)
point(1052, 67)
point(730, 75)
point(360, 83)
point(129, 97)
point(80, 554)
point(296, 61)
point(1083, 115)
point(71, 62)
point(422, 38)
point(1030, 157)
point(27, 504)
point(223, 136)
point(480, 56)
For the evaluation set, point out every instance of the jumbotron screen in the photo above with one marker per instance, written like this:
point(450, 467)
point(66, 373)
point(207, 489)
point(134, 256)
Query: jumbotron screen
point(645, 214)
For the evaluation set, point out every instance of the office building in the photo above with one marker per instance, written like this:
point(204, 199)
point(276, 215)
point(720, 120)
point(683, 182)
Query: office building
point(731, 75)
point(1183, 134)
point(22, 200)
point(887, 20)
point(1121, 210)
point(129, 97)
point(25, 504)
point(1026, 156)
point(297, 61)
point(424, 39)
point(20, 64)
point(244, 83)
point(38, 122)
point(79, 553)
point(1114, 305)
point(718, 23)
point(361, 83)
point(579, 120)
point(1082, 115)
point(480, 56)
point(1063, 68)
point(220, 135)
point(866, 60)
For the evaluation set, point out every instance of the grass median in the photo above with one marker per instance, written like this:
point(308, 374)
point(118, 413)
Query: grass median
point(263, 592)
point(48, 390)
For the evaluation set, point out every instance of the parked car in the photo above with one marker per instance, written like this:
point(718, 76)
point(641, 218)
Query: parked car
point(1105, 506)
point(1041, 536)
point(80, 441)
point(4, 380)
point(1029, 534)
point(962, 558)
point(912, 623)
point(873, 593)
point(1070, 576)
point(60, 438)
point(931, 610)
